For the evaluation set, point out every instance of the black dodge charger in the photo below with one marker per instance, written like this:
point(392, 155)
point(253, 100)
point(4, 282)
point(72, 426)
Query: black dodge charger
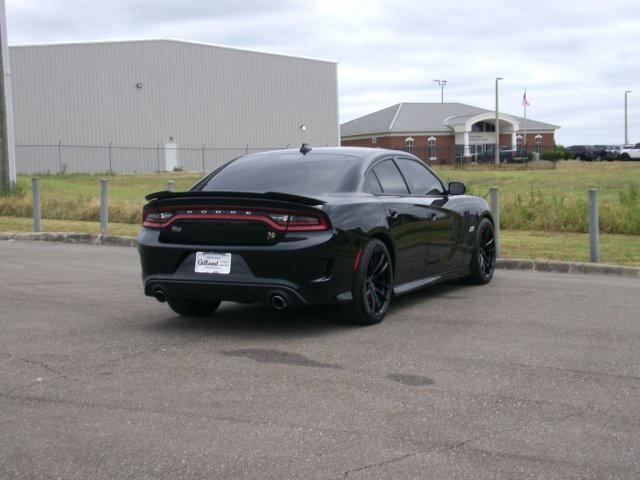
point(352, 226)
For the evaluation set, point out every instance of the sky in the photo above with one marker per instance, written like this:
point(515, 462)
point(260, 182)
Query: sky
point(576, 58)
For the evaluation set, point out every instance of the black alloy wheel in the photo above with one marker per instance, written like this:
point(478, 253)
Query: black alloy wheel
point(377, 286)
point(372, 286)
point(483, 261)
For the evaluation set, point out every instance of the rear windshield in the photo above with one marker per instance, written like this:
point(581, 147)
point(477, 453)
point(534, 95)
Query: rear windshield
point(287, 172)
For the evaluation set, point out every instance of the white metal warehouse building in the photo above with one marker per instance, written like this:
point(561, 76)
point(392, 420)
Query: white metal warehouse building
point(148, 105)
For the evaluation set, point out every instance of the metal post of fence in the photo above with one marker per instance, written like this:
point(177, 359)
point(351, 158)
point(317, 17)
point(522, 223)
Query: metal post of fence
point(37, 211)
point(594, 227)
point(495, 209)
point(60, 157)
point(158, 156)
point(104, 206)
point(203, 170)
point(171, 186)
point(110, 166)
point(246, 149)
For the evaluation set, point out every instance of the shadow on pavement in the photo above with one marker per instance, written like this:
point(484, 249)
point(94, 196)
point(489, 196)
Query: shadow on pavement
point(257, 320)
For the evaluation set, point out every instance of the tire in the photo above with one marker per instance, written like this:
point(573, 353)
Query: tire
point(188, 307)
point(372, 288)
point(625, 156)
point(483, 258)
point(598, 158)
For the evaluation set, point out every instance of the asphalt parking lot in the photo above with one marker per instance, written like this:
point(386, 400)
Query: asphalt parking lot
point(533, 376)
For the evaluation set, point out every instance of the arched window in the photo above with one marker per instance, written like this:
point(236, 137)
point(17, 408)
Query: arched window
point(408, 145)
point(538, 143)
point(432, 148)
point(519, 142)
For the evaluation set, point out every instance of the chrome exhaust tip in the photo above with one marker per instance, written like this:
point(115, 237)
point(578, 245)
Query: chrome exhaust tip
point(159, 295)
point(278, 302)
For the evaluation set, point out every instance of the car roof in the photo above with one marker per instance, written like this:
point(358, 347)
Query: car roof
point(360, 153)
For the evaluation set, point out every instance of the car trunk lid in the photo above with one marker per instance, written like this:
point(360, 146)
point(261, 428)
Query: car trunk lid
point(231, 218)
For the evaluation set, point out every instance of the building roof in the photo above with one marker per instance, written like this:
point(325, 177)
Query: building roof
point(174, 40)
point(420, 117)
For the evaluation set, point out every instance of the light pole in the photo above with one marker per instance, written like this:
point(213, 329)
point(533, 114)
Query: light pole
point(626, 118)
point(7, 158)
point(497, 152)
point(441, 83)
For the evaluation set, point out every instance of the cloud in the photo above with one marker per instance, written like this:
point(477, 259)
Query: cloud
point(575, 57)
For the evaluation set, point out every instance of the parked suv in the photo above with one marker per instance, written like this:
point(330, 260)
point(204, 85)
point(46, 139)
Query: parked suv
point(630, 152)
point(613, 152)
point(585, 152)
point(601, 150)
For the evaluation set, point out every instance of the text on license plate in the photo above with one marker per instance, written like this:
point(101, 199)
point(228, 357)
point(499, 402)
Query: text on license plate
point(210, 262)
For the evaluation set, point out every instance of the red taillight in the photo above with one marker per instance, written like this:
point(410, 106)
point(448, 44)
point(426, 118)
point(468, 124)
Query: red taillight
point(277, 219)
point(299, 222)
point(155, 218)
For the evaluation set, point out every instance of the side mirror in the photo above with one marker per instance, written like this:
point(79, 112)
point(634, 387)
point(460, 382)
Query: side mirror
point(457, 188)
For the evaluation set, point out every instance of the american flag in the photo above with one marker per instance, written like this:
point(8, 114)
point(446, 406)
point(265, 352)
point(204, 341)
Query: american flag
point(525, 102)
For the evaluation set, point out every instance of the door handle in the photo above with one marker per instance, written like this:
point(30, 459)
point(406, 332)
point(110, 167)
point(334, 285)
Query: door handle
point(393, 213)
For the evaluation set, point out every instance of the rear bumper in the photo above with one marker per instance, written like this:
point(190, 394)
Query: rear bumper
point(309, 268)
point(240, 292)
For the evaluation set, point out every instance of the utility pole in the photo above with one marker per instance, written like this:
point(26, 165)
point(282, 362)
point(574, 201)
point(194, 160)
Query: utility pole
point(7, 159)
point(442, 84)
point(626, 118)
point(497, 152)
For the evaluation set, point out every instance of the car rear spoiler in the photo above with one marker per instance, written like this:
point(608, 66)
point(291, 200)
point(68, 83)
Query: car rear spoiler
point(278, 196)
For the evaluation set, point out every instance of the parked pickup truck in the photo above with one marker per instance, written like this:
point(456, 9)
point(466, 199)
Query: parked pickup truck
point(630, 152)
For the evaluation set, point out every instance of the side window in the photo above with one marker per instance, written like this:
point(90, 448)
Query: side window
point(421, 180)
point(390, 178)
point(371, 183)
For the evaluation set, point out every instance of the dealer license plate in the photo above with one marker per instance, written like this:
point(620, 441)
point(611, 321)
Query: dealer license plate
point(210, 262)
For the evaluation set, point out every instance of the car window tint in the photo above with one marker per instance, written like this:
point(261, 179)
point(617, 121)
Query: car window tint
point(390, 178)
point(287, 172)
point(421, 180)
point(371, 183)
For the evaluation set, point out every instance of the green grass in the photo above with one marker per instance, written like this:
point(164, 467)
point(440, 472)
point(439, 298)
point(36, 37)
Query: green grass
point(543, 198)
point(615, 249)
point(77, 197)
point(21, 224)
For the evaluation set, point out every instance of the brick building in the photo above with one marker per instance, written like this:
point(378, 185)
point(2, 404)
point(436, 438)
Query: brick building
point(443, 132)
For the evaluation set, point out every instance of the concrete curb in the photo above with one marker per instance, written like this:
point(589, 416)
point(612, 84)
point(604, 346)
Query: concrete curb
point(567, 267)
point(504, 263)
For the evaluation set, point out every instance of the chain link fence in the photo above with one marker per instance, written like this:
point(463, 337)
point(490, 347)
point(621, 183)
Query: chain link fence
point(63, 158)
